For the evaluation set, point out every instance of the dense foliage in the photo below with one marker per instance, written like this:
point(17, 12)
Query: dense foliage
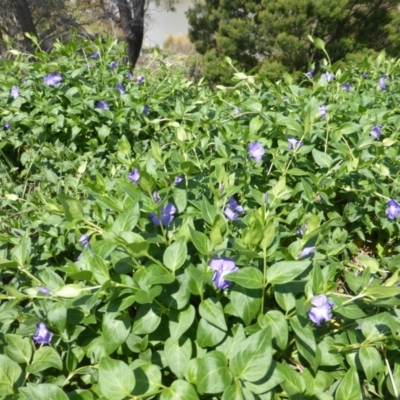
point(273, 34)
point(163, 240)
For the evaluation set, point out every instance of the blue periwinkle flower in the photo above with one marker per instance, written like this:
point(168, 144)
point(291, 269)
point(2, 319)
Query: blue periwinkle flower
point(310, 73)
point(6, 126)
point(14, 92)
point(156, 197)
point(120, 88)
point(222, 267)
point(113, 65)
point(321, 310)
point(328, 76)
point(52, 79)
point(237, 110)
point(129, 75)
point(178, 179)
point(146, 109)
point(307, 251)
point(294, 143)
point(134, 176)
point(376, 131)
point(233, 209)
point(322, 111)
point(43, 290)
point(42, 335)
point(95, 55)
point(256, 151)
point(382, 82)
point(166, 215)
point(140, 79)
point(393, 209)
point(346, 86)
point(103, 105)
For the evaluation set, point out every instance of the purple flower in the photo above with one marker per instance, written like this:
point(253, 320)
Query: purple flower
point(146, 109)
point(134, 176)
point(103, 105)
point(166, 215)
point(222, 267)
point(178, 179)
point(294, 143)
point(393, 209)
point(120, 88)
point(95, 55)
point(376, 131)
point(140, 79)
point(301, 229)
point(256, 151)
point(156, 197)
point(52, 79)
point(382, 82)
point(14, 92)
point(43, 335)
point(328, 76)
point(346, 86)
point(43, 289)
point(322, 111)
point(306, 251)
point(310, 74)
point(237, 110)
point(321, 310)
point(84, 240)
point(233, 210)
point(113, 65)
point(129, 75)
point(6, 126)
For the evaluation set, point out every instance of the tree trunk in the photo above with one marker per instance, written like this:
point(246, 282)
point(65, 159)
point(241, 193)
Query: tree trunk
point(133, 26)
point(24, 17)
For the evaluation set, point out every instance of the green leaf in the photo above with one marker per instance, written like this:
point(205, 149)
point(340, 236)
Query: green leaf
point(252, 357)
point(68, 291)
point(208, 335)
point(98, 267)
point(19, 349)
point(255, 125)
point(180, 321)
point(279, 327)
point(178, 353)
point(213, 375)
point(72, 208)
point(201, 242)
point(147, 319)
point(43, 391)
point(382, 292)
point(293, 383)
point(127, 220)
point(138, 249)
point(175, 255)
point(208, 212)
point(286, 271)
point(147, 377)
point(43, 358)
point(179, 390)
point(324, 160)
point(248, 277)
point(180, 199)
point(371, 361)
point(246, 302)
point(213, 312)
point(116, 379)
point(349, 388)
point(115, 331)
point(10, 374)
point(305, 341)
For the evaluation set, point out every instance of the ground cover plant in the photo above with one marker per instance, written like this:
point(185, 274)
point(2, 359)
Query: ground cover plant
point(160, 239)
